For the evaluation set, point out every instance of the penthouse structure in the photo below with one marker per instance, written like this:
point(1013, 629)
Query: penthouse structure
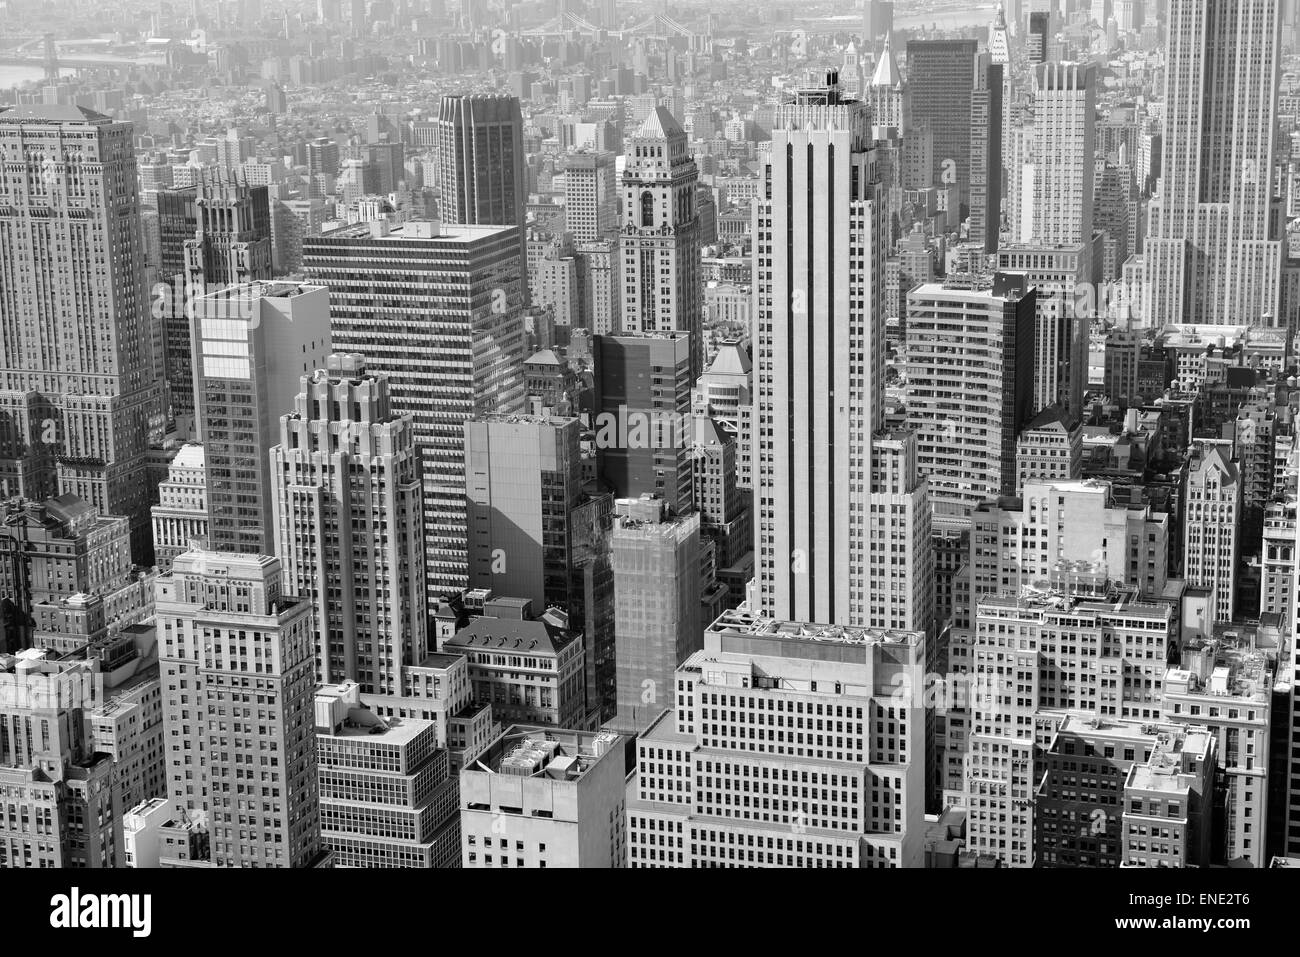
point(181, 515)
point(790, 745)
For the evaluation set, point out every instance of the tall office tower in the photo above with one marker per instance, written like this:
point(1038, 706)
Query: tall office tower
point(59, 796)
point(1065, 279)
point(1115, 208)
point(968, 399)
point(725, 394)
point(1082, 643)
point(181, 515)
point(77, 377)
point(660, 240)
point(1007, 551)
point(545, 797)
point(884, 94)
point(986, 155)
point(231, 641)
point(438, 311)
point(656, 560)
point(643, 421)
point(348, 514)
point(940, 80)
point(479, 150)
point(1289, 667)
point(1215, 251)
point(1065, 107)
point(877, 20)
point(590, 195)
point(854, 798)
point(523, 479)
point(1211, 526)
point(322, 160)
point(229, 246)
point(819, 253)
point(387, 794)
point(1226, 686)
point(68, 572)
point(1040, 34)
point(253, 343)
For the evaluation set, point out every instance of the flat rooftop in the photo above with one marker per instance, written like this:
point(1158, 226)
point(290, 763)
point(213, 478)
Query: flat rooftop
point(412, 232)
point(745, 623)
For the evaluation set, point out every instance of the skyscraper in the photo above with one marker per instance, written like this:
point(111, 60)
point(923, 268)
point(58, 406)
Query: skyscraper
point(968, 397)
point(232, 641)
point(643, 425)
point(759, 784)
point(438, 312)
point(656, 561)
point(660, 241)
point(218, 232)
point(590, 195)
point(479, 148)
point(253, 343)
point(348, 518)
point(1064, 173)
point(78, 360)
point(1214, 254)
point(940, 81)
point(986, 155)
point(819, 251)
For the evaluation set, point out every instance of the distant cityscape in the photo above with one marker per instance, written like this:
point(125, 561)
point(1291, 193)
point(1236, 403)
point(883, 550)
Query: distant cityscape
point(597, 433)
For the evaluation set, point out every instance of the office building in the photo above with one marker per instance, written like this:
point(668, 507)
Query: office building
point(1214, 254)
point(1212, 526)
point(238, 686)
point(347, 520)
point(529, 666)
point(656, 603)
point(643, 425)
point(986, 155)
point(941, 77)
point(660, 240)
point(453, 350)
point(523, 481)
point(181, 515)
point(1167, 821)
point(59, 798)
point(253, 343)
point(85, 411)
point(545, 798)
point(969, 397)
point(387, 794)
point(479, 150)
point(590, 195)
point(1063, 172)
point(818, 356)
point(790, 745)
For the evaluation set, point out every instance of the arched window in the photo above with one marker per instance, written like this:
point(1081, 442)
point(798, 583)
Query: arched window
point(647, 208)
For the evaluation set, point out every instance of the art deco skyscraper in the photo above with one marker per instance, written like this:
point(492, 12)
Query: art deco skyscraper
point(661, 235)
point(819, 251)
point(348, 524)
point(77, 388)
point(1214, 254)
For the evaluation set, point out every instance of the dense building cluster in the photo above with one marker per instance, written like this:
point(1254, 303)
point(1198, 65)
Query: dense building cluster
point(617, 434)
